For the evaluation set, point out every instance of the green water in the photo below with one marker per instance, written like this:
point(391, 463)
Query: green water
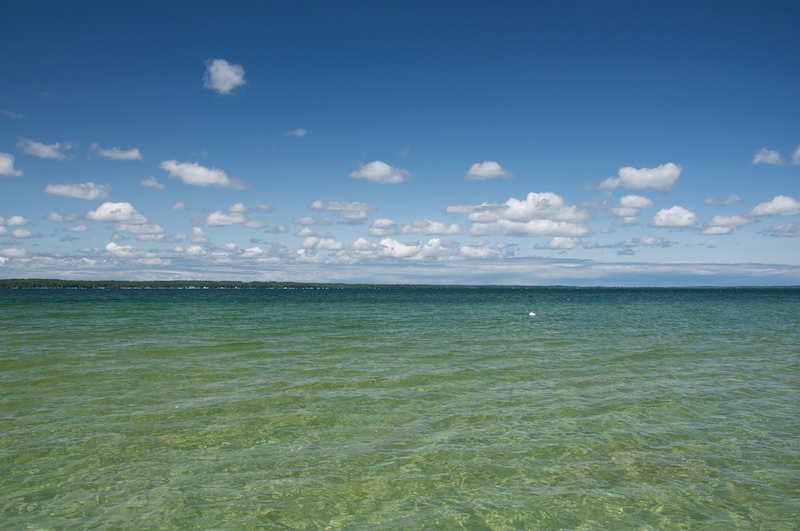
point(400, 409)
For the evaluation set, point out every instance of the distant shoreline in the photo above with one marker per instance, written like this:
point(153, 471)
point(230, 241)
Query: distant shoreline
point(45, 283)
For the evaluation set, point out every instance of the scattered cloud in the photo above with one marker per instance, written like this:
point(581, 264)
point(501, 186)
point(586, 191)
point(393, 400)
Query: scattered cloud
point(143, 231)
point(322, 244)
point(13, 252)
point(310, 220)
point(14, 221)
point(767, 156)
point(353, 212)
point(278, 229)
point(55, 216)
point(117, 153)
point(723, 225)
point(219, 219)
point(629, 208)
point(539, 214)
point(561, 243)
point(45, 151)
point(13, 115)
point(129, 252)
point(784, 229)
point(222, 76)
point(116, 212)
point(198, 236)
point(781, 205)
point(22, 234)
point(299, 132)
point(380, 172)
point(236, 216)
point(196, 175)
point(152, 182)
point(430, 228)
point(675, 217)
point(486, 170)
point(645, 241)
point(380, 227)
point(87, 191)
point(796, 155)
point(660, 178)
point(7, 166)
point(731, 199)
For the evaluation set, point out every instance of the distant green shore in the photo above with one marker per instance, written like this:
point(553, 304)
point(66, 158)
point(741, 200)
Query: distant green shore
point(45, 283)
point(51, 283)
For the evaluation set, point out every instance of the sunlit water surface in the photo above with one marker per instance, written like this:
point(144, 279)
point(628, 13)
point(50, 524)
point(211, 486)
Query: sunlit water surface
point(400, 409)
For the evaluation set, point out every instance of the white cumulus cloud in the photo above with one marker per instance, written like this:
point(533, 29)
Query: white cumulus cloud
point(127, 251)
point(721, 225)
point(152, 182)
point(322, 244)
point(645, 241)
point(796, 155)
point(660, 178)
point(219, 219)
point(781, 205)
point(7, 166)
point(562, 243)
point(88, 191)
point(116, 212)
point(198, 236)
point(635, 201)
point(430, 228)
point(767, 156)
point(629, 208)
point(21, 233)
point(354, 211)
point(197, 175)
point(13, 252)
point(395, 249)
point(299, 132)
point(45, 151)
point(539, 214)
point(139, 228)
point(675, 217)
point(486, 170)
point(117, 153)
point(380, 172)
point(381, 227)
point(17, 221)
point(222, 76)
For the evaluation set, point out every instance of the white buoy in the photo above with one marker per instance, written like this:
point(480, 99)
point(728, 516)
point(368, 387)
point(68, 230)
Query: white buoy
point(532, 314)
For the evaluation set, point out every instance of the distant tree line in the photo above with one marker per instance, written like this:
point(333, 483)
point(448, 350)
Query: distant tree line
point(52, 283)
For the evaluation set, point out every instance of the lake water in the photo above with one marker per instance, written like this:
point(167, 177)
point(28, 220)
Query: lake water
point(400, 409)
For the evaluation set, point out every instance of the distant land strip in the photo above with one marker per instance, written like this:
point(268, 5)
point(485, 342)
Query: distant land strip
point(48, 283)
point(53, 283)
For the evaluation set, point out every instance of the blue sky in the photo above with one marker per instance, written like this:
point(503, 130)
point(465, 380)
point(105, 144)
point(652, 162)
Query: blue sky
point(579, 143)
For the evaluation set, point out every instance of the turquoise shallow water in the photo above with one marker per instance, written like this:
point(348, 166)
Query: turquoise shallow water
point(400, 409)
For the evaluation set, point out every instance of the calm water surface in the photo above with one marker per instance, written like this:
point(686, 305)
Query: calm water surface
point(400, 409)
